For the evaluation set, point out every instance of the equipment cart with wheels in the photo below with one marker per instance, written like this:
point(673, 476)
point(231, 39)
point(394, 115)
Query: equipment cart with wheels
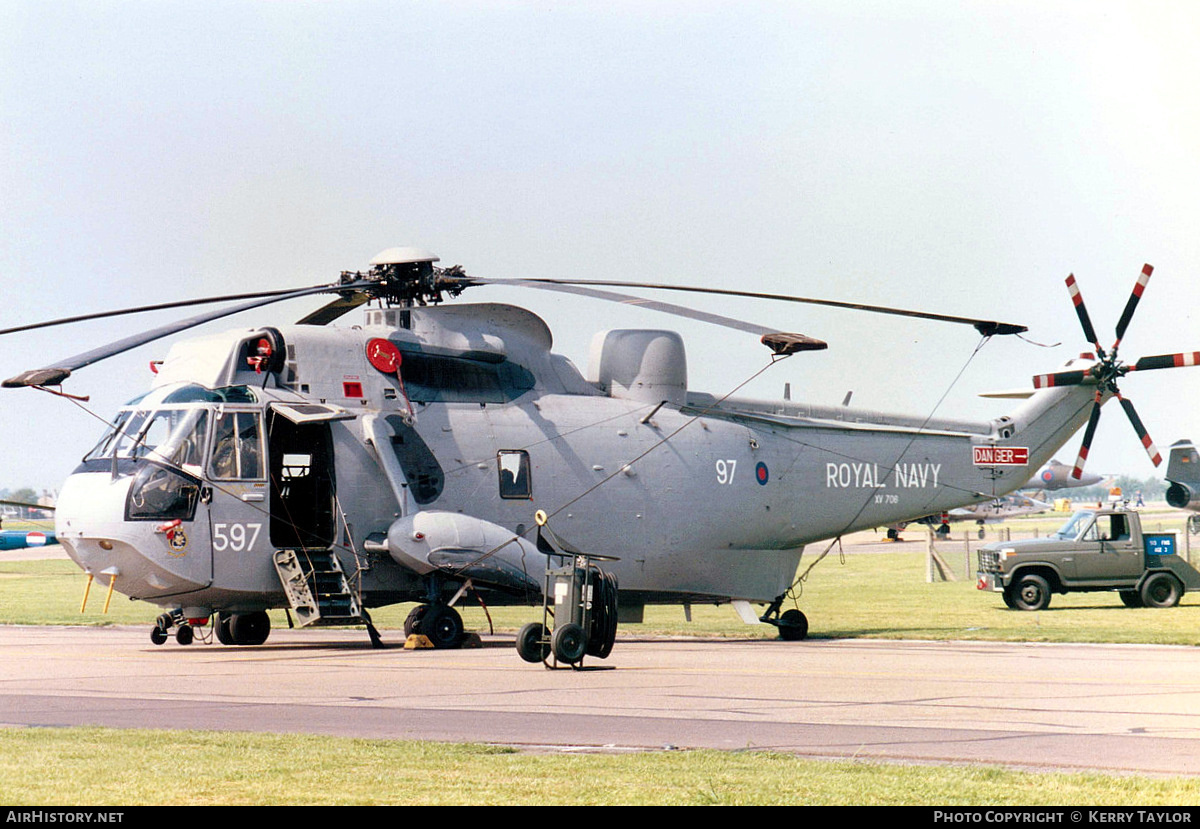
point(579, 609)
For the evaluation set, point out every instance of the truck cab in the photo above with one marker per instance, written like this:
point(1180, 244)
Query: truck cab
point(1100, 549)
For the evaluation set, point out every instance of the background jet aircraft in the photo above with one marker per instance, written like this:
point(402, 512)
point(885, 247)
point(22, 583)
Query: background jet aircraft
point(1183, 479)
point(1057, 475)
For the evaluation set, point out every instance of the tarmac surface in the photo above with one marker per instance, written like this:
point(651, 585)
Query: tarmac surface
point(1122, 708)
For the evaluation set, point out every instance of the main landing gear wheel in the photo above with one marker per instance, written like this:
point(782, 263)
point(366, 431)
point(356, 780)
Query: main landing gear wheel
point(412, 624)
point(793, 625)
point(248, 628)
point(531, 643)
point(221, 627)
point(442, 626)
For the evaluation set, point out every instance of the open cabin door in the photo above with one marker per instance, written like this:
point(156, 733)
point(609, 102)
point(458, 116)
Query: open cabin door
point(301, 473)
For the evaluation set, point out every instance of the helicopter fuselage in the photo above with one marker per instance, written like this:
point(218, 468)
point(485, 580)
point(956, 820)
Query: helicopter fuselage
point(421, 446)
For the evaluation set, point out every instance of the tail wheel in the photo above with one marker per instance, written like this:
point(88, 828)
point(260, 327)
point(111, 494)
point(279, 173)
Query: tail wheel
point(793, 625)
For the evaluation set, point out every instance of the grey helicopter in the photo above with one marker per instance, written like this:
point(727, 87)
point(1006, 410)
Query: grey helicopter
point(441, 452)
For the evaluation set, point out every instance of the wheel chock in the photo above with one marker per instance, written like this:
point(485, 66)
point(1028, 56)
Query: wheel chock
point(416, 642)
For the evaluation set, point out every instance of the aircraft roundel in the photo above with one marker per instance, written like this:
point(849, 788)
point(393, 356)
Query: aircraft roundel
point(383, 355)
point(35, 539)
point(1047, 476)
point(761, 473)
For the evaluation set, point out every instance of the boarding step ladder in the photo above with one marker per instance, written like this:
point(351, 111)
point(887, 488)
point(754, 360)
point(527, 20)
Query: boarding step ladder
point(317, 588)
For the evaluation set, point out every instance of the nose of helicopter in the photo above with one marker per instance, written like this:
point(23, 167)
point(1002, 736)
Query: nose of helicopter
point(137, 557)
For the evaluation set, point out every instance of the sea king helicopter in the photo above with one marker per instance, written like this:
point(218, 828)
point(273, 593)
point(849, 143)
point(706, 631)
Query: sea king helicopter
point(441, 452)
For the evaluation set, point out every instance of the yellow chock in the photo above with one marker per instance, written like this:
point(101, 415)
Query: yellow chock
point(417, 641)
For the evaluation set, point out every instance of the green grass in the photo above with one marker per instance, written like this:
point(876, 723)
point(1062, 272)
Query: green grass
point(878, 595)
point(109, 767)
point(872, 595)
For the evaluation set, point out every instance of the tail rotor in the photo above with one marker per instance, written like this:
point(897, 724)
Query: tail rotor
point(1108, 369)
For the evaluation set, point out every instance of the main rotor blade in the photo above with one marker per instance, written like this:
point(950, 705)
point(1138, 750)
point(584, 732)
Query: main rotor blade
point(1088, 434)
point(1082, 313)
point(55, 373)
point(1180, 360)
point(342, 305)
point(183, 303)
point(984, 327)
point(1143, 436)
point(769, 336)
point(1139, 288)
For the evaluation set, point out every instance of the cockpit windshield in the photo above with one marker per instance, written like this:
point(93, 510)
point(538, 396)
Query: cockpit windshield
point(174, 436)
point(168, 425)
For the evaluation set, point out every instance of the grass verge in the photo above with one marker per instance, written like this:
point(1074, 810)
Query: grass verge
point(109, 767)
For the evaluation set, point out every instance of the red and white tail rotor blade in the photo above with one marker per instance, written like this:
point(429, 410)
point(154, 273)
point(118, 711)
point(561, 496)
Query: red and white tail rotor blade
point(1180, 360)
point(1138, 288)
point(1082, 313)
point(1062, 378)
point(1088, 434)
point(1143, 436)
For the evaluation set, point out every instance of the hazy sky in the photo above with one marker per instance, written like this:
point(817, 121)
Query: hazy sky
point(956, 157)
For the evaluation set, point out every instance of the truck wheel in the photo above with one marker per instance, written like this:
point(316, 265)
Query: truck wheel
point(1161, 590)
point(1131, 598)
point(1010, 597)
point(1032, 593)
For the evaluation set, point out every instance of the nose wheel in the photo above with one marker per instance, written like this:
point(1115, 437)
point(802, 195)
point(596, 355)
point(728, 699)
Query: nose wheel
point(230, 628)
point(185, 634)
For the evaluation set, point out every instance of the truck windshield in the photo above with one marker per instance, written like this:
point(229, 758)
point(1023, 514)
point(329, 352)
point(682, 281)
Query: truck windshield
point(1078, 522)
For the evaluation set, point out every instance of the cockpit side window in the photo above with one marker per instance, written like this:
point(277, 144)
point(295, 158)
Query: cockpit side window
point(237, 452)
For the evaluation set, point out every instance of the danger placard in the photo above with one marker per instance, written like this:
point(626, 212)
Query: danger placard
point(1001, 455)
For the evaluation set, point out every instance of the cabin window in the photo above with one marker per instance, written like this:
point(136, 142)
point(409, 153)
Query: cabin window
point(237, 447)
point(513, 465)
